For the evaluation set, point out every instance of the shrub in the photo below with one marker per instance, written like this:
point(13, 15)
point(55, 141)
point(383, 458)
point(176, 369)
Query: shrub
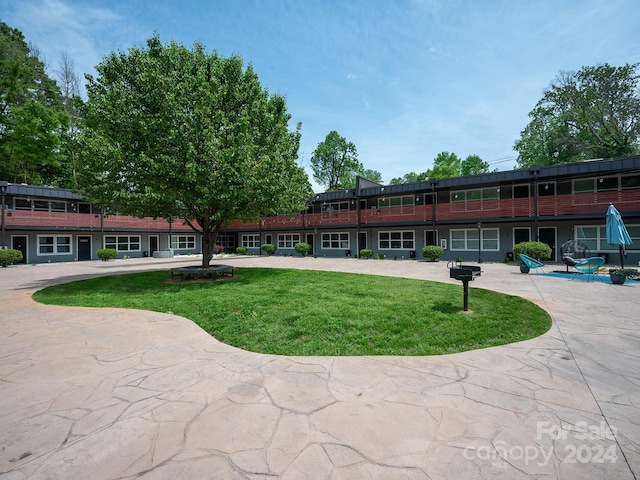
point(106, 254)
point(432, 252)
point(366, 253)
point(537, 250)
point(241, 250)
point(9, 256)
point(268, 248)
point(302, 248)
point(218, 249)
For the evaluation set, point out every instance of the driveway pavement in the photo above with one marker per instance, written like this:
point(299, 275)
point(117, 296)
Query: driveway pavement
point(122, 394)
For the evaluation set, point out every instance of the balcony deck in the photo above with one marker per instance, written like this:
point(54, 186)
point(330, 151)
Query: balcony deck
point(524, 208)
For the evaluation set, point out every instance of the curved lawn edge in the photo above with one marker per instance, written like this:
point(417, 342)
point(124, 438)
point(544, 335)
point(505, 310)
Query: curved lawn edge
point(320, 313)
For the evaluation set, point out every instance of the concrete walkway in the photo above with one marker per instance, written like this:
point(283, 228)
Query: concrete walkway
point(119, 394)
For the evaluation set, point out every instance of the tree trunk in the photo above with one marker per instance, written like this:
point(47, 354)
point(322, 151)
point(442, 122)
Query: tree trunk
point(208, 241)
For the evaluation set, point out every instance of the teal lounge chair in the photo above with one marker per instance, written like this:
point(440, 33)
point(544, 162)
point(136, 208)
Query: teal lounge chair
point(588, 266)
point(530, 262)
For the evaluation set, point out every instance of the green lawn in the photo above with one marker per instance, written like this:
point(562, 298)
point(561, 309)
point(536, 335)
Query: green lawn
point(298, 312)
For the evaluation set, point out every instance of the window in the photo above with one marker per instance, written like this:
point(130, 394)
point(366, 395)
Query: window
point(41, 205)
point(22, 204)
point(388, 202)
point(334, 207)
point(592, 236)
point(338, 240)
point(183, 242)
point(468, 239)
point(583, 186)
point(58, 206)
point(123, 243)
point(475, 195)
point(54, 244)
point(251, 241)
point(227, 241)
point(396, 240)
point(632, 181)
point(288, 240)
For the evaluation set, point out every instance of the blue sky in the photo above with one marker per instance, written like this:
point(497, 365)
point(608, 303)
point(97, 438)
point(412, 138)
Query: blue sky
point(401, 79)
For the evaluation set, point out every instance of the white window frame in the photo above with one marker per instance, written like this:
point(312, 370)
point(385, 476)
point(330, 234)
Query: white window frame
point(334, 241)
point(334, 206)
point(470, 239)
point(288, 240)
point(403, 200)
point(250, 240)
point(123, 240)
point(475, 195)
point(391, 243)
point(56, 245)
point(183, 242)
point(598, 243)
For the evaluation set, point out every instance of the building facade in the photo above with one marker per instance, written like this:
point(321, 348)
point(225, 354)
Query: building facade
point(477, 218)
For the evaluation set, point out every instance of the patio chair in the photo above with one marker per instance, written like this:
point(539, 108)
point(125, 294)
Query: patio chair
point(573, 252)
point(588, 266)
point(530, 262)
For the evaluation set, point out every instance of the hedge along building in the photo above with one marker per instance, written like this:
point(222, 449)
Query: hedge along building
point(476, 217)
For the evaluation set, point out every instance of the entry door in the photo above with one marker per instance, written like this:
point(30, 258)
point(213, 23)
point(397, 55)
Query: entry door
point(548, 235)
point(20, 243)
point(362, 241)
point(430, 237)
point(153, 244)
point(310, 242)
point(84, 248)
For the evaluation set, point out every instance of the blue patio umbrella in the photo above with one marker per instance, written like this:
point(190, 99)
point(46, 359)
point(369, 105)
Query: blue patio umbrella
point(616, 231)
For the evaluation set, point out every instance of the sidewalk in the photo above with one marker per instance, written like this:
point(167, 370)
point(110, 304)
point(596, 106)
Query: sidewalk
point(111, 393)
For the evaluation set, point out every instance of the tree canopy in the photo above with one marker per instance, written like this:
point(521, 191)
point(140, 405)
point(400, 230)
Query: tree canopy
point(445, 165)
point(335, 164)
point(592, 113)
point(177, 132)
point(32, 118)
point(411, 177)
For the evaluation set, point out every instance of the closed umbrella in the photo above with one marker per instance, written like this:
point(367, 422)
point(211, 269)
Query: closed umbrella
point(616, 231)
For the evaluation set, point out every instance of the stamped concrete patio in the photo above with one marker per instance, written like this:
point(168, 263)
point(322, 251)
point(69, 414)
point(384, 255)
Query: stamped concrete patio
point(121, 394)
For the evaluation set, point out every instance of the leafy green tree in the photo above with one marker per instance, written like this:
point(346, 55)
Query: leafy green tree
point(473, 165)
point(31, 115)
point(593, 113)
point(411, 177)
point(373, 175)
point(445, 165)
point(334, 163)
point(177, 132)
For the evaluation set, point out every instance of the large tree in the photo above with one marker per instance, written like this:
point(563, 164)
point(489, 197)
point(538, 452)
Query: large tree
point(32, 118)
point(445, 165)
point(177, 132)
point(593, 113)
point(334, 163)
point(473, 165)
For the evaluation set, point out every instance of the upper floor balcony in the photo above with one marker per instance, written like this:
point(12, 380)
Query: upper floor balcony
point(86, 221)
point(592, 203)
point(547, 206)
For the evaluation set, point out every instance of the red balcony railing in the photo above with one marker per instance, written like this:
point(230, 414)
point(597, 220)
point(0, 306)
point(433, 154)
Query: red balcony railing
point(35, 218)
point(552, 205)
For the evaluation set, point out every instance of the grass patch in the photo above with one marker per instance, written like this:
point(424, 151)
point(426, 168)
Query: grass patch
point(301, 312)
